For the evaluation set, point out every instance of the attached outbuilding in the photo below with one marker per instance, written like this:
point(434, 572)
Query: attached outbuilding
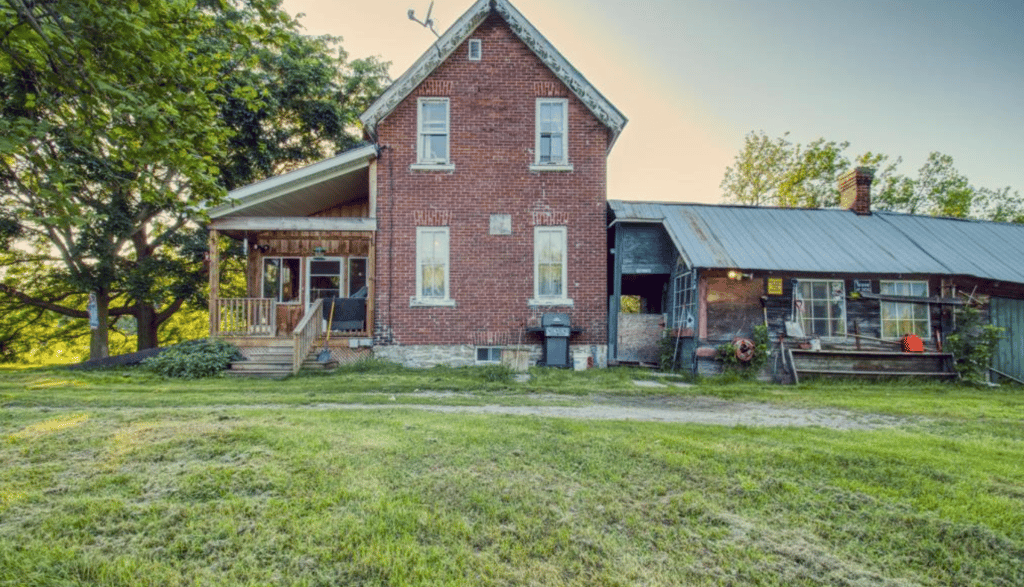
point(850, 281)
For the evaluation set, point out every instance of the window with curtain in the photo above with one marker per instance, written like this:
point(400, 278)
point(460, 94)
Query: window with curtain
point(899, 318)
point(821, 307)
point(432, 264)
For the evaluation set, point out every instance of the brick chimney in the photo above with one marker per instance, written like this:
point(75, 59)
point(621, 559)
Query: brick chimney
point(855, 190)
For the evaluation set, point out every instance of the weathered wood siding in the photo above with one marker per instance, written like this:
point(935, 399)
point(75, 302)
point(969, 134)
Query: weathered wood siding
point(1009, 315)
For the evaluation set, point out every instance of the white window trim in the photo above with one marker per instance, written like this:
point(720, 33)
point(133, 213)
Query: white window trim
point(539, 300)
point(299, 299)
point(343, 277)
point(928, 308)
point(834, 336)
point(475, 48)
point(418, 301)
point(564, 164)
point(429, 165)
point(476, 354)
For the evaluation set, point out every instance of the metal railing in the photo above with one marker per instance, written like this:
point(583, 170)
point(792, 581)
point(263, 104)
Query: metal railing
point(306, 333)
point(245, 317)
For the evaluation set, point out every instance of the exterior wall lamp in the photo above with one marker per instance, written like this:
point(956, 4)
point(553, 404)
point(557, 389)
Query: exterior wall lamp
point(738, 275)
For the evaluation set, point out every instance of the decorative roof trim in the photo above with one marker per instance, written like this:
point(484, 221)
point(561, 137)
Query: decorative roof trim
point(279, 185)
point(598, 105)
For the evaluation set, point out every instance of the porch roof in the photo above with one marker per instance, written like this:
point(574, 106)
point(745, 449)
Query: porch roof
point(304, 191)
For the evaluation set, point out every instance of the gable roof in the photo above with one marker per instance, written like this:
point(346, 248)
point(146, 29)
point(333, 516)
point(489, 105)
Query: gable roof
point(833, 241)
point(601, 108)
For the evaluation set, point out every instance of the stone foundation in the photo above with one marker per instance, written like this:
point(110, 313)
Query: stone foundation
point(425, 356)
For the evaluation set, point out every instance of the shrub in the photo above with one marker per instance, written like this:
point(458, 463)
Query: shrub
point(193, 359)
point(973, 345)
point(750, 369)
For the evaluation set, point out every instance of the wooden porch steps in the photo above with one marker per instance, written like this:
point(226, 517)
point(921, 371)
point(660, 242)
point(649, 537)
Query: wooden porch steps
point(275, 362)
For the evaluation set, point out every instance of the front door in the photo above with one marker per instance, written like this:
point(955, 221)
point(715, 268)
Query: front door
point(335, 277)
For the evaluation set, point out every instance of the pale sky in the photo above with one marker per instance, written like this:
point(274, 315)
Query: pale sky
point(900, 77)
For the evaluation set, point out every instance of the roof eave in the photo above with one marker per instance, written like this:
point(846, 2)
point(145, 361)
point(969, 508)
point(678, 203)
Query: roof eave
point(274, 187)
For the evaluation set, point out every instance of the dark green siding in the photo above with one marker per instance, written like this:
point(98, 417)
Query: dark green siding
point(1009, 314)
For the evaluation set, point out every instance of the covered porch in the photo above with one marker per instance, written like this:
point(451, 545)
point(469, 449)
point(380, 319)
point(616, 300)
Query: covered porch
point(309, 241)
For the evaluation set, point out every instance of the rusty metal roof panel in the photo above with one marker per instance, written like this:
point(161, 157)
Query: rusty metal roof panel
point(834, 241)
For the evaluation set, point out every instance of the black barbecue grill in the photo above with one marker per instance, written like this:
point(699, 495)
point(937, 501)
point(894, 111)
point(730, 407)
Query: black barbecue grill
point(556, 330)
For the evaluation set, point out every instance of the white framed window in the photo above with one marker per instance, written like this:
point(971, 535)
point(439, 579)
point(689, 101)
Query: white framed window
point(475, 49)
point(550, 260)
point(552, 143)
point(488, 355)
point(281, 279)
point(820, 305)
point(326, 278)
point(433, 124)
point(432, 270)
point(899, 318)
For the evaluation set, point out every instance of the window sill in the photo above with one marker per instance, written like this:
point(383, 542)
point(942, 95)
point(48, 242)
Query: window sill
point(535, 302)
point(431, 303)
point(551, 167)
point(432, 167)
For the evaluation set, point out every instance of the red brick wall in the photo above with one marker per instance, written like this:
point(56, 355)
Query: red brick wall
point(492, 113)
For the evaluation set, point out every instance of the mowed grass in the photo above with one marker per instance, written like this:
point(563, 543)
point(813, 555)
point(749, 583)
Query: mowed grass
point(120, 479)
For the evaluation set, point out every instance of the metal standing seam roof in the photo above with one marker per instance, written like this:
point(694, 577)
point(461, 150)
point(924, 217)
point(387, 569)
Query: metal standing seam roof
point(834, 241)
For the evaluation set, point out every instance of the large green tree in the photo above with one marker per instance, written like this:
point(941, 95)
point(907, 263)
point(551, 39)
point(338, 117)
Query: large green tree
point(124, 120)
point(778, 172)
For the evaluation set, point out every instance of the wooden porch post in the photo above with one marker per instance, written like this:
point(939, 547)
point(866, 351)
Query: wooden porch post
point(214, 252)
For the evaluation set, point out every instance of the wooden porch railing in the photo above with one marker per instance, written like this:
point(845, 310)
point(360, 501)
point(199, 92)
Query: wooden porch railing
point(307, 332)
point(245, 317)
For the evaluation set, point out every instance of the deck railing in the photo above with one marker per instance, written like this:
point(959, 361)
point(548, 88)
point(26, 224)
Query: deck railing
point(307, 332)
point(245, 317)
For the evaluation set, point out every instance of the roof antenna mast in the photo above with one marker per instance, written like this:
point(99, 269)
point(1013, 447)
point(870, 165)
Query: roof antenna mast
point(426, 22)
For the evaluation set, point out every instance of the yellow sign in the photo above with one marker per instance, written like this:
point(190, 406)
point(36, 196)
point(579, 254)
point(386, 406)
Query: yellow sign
point(775, 286)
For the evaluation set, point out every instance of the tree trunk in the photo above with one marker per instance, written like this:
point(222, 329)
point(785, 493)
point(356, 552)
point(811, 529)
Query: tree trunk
point(99, 341)
point(147, 326)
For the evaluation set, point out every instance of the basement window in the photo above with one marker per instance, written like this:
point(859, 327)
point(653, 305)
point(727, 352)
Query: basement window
point(475, 49)
point(488, 355)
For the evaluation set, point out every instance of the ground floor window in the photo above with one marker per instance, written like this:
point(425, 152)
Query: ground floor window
point(820, 306)
point(281, 279)
point(899, 318)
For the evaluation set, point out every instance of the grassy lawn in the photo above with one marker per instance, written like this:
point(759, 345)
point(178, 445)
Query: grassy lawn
point(120, 478)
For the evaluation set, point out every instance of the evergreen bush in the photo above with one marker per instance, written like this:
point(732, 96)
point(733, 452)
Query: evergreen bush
point(194, 359)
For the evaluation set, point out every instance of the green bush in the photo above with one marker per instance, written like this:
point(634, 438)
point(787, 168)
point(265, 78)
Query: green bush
point(973, 345)
point(748, 370)
point(193, 359)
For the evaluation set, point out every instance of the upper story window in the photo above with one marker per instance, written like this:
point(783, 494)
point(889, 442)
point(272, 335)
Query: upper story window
point(433, 128)
point(899, 318)
point(552, 134)
point(475, 49)
point(821, 307)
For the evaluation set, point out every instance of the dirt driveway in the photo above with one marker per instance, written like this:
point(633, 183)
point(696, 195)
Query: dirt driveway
point(691, 410)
